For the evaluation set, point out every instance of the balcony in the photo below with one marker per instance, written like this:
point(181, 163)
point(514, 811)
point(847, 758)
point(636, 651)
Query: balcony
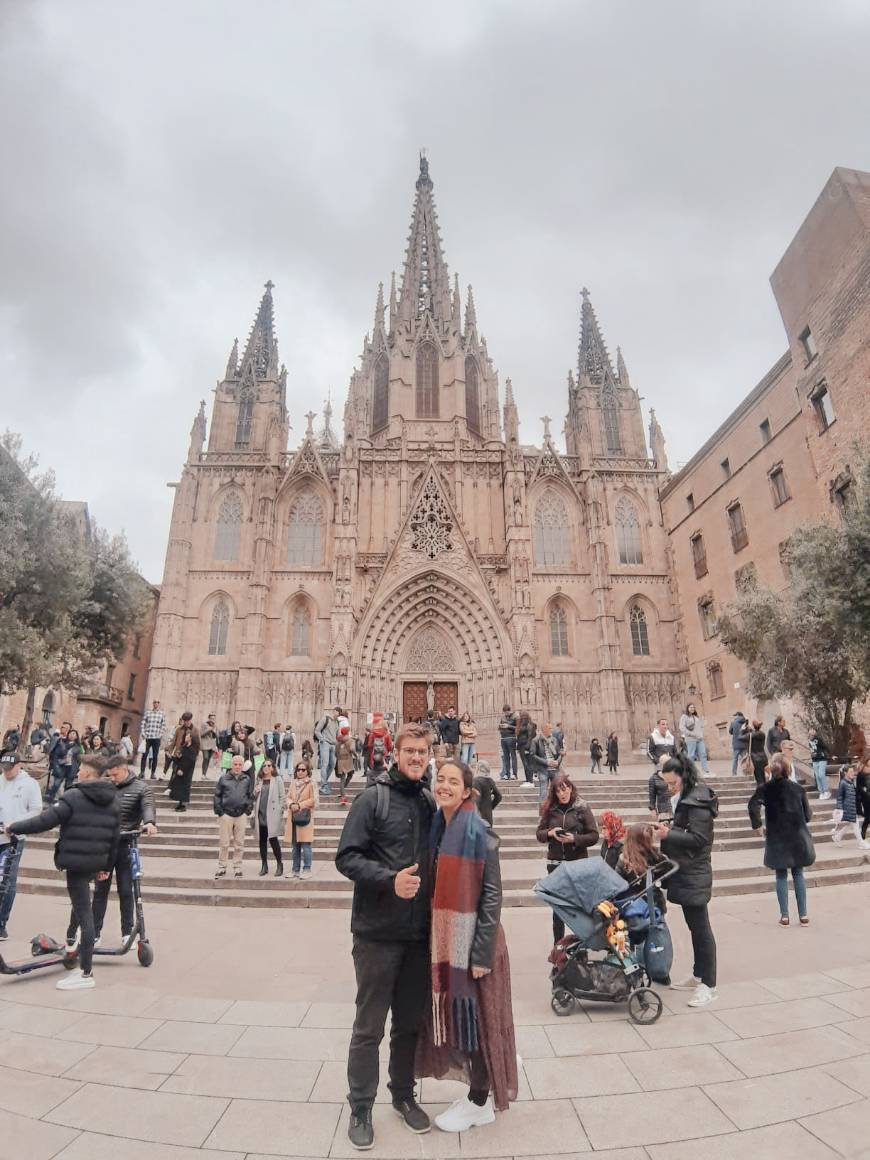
point(700, 565)
point(739, 539)
point(100, 692)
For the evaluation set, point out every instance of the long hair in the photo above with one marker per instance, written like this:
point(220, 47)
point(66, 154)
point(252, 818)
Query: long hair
point(638, 849)
point(684, 768)
point(612, 827)
point(551, 801)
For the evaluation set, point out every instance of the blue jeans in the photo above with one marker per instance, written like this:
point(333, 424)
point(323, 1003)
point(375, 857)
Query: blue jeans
point(800, 891)
point(6, 904)
point(736, 754)
point(327, 764)
point(466, 752)
point(697, 751)
point(820, 769)
point(508, 756)
point(301, 854)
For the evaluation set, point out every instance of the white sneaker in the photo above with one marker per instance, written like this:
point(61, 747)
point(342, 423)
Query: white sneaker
point(463, 1115)
point(863, 845)
point(72, 944)
point(528, 785)
point(688, 984)
point(76, 980)
point(97, 941)
point(703, 995)
point(823, 797)
point(837, 839)
point(305, 875)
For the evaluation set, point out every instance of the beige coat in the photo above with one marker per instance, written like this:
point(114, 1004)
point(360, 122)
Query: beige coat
point(301, 791)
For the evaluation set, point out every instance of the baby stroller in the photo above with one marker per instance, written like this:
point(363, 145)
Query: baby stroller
point(596, 962)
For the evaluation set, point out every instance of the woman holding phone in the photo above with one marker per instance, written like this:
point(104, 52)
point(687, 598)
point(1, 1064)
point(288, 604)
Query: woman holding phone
point(567, 826)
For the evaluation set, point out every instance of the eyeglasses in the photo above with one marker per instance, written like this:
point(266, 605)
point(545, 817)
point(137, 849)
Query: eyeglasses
point(414, 752)
point(301, 769)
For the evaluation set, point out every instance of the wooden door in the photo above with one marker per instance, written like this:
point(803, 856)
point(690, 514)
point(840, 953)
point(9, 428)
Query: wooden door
point(445, 695)
point(413, 700)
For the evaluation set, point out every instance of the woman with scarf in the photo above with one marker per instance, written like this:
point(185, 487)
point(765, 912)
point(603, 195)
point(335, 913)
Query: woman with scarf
point(469, 1033)
point(185, 751)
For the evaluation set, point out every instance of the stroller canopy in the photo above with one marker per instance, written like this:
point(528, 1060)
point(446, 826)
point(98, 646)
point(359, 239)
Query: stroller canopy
point(574, 889)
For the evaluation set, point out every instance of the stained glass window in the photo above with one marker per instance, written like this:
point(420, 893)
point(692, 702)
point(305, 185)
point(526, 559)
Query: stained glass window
point(552, 536)
point(427, 381)
point(305, 531)
point(628, 540)
point(220, 627)
point(228, 535)
point(639, 633)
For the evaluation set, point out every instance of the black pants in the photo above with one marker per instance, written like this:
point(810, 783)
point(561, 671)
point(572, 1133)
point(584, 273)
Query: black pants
point(124, 880)
point(558, 925)
point(528, 767)
point(206, 760)
point(703, 943)
point(152, 751)
point(78, 885)
point(394, 977)
point(273, 842)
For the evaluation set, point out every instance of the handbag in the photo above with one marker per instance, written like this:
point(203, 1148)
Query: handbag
point(301, 817)
point(746, 766)
point(658, 949)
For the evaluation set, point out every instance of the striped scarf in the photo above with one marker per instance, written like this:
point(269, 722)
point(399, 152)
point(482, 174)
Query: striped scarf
point(458, 883)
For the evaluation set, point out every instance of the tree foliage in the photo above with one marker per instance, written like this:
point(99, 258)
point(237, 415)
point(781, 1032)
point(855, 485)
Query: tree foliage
point(69, 594)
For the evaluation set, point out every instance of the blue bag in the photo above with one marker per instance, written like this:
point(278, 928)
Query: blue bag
point(658, 950)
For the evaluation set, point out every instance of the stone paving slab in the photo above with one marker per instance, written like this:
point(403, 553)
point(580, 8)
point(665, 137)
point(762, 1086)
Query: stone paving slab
point(156, 1117)
point(198, 1038)
point(34, 1139)
point(204, 1075)
point(110, 1030)
point(262, 1126)
point(90, 1146)
point(770, 1099)
point(844, 1130)
point(651, 1118)
point(678, 1067)
point(29, 1094)
point(772, 1054)
point(778, 1142)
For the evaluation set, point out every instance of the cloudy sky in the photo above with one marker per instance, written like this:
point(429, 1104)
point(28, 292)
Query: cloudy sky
point(162, 159)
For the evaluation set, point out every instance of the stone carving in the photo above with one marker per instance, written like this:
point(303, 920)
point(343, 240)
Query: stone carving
point(430, 653)
point(431, 524)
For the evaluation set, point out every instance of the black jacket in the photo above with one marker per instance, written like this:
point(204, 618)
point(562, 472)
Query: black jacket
point(233, 795)
point(507, 726)
point(488, 796)
point(135, 803)
point(88, 815)
point(538, 754)
point(787, 841)
point(739, 730)
point(612, 751)
point(448, 728)
point(689, 843)
point(775, 738)
point(579, 822)
point(659, 795)
point(372, 851)
point(818, 749)
point(526, 734)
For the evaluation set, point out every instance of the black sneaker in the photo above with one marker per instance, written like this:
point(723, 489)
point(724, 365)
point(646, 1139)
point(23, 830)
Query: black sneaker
point(4, 934)
point(413, 1115)
point(359, 1129)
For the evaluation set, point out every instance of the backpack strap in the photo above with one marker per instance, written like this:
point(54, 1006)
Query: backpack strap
point(382, 805)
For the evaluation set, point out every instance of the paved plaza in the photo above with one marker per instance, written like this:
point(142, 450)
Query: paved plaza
point(234, 1043)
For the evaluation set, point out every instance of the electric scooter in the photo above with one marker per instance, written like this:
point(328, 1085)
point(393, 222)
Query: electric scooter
point(44, 950)
point(144, 950)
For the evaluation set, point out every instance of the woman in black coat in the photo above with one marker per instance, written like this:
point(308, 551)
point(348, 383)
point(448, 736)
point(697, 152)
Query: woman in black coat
point(567, 826)
point(688, 841)
point(757, 752)
point(612, 752)
point(788, 844)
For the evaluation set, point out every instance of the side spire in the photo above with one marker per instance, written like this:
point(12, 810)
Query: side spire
point(379, 309)
point(233, 361)
point(470, 313)
point(262, 347)
point(622, 369)
point(425, 281)
point(593, 363)
point(394, 307)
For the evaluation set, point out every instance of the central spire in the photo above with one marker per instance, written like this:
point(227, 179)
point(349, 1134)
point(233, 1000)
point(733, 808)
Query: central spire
point(425, 282)
point(262, 348)
point(593, 362)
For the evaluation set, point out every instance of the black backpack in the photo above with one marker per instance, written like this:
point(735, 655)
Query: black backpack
point(287, 745)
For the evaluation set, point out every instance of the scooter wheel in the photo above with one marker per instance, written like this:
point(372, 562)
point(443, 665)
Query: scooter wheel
point(562, 1002)
point(70, 961)
point(146, 954)
point(644, 1005)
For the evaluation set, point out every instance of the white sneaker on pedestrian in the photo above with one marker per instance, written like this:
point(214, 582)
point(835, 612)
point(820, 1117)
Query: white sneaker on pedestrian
point(72, 944)
point(97, 941)
point(703, 995)
point(837, 838)
point(76, 980)
point(863, 845)
point(463, 1115)
point(823, 797)
point(688, 984)
point(305, 875)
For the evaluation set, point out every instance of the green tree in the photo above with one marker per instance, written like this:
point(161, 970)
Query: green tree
point(813, 640)
point(70, 596)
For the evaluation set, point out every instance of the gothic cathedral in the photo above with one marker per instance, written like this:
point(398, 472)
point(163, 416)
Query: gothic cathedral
point(427, 555)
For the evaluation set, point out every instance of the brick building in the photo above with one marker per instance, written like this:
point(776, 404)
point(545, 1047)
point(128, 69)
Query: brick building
point(783, 458)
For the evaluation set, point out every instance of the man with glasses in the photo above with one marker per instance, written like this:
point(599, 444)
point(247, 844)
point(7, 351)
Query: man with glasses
point(384, 850)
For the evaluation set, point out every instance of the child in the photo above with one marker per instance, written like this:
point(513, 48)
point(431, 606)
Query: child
point(846, 813)
point(89, 818)
point(613, 829)
point(345, 749)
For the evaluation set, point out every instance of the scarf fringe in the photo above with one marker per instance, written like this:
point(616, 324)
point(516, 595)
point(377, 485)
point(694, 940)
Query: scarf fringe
point(455, 1023)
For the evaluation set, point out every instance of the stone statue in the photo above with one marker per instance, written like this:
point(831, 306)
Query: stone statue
point(430, 697)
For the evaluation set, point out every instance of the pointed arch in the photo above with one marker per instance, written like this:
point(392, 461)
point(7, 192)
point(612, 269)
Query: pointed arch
point(551, 530)
point(559, 646)
point(472, 394)
point(219, 628)
point(300, 623)
point(305, 530)
point(610, 417)
point(639, 630)
point(244, 420)
point(228, 529)
point(427, 381)
point(381, 393)
point(628, 536)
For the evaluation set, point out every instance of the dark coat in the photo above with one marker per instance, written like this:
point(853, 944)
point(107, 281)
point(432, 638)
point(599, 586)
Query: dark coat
point(818, 749)
point(579, 821)
point(88, 815)
point(612, 751)
point(739, 733)
point(775, 738)
point(847, 799)
point(488, 796)
point(371, 852)
point(135, 803)
point(526, 734)
point(659, 795)
point(788, 842)
point(689, 843)
point(448, 727)
point(538, 755)
point(233, 795)
point(596, 751)
point(862, 784)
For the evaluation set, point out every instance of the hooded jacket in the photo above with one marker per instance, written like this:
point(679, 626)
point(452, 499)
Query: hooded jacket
point(689, 843)
point(89, 818)
point(135, 803)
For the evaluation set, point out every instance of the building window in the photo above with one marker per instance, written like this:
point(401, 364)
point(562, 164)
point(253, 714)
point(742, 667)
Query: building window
point(726, 468)
point(559, 632)
point(305, 531)
point(300, 632)
point(131, 687)
point(472, 395)
point(690, 502)
point(628, 532)
point(245, 418)
point(699, 555)
point(228, 534)
point(746, 577)
point(737, 527)
point(764, 428)
point(110, 675)
point(843, 491)
point(552, 536)
point(220, 626)
point(778, 486)
point(610, 414)
point(137, 645)
point(717, 685)
point(381, 401)
point(707, 617)
point(639, 633)
point(427, 381)
point(823, 407)
point(808, 342)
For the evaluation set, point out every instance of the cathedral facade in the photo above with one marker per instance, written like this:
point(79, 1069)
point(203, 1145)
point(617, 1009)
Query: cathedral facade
point(425, 557)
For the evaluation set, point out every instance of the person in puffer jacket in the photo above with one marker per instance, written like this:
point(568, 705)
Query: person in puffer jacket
point(89, 818)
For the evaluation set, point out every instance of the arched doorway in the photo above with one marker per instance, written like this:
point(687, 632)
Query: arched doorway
point(429, 675)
